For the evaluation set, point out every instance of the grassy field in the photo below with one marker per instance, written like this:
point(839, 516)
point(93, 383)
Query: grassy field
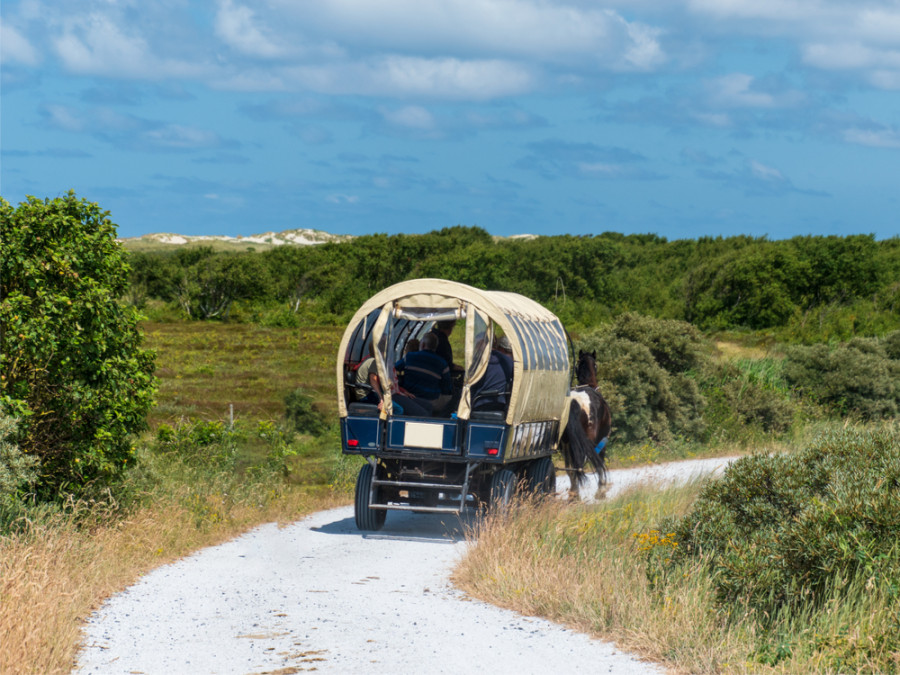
point(203, 368)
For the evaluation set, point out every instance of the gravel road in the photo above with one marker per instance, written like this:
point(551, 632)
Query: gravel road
point(319, 595)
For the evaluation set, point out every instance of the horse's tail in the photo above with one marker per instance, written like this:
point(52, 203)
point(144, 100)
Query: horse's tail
point(578, 449)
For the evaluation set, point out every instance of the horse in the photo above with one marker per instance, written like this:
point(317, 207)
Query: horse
point(590, 421)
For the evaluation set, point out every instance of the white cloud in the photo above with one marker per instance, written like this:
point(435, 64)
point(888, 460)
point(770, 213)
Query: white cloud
point(342, 199)
point(881, 25)
point(96, 45)
point(235, 24)
point(885, 79)
point(766, 173)
point(15, 47)
point(644, 52)
point(850, 55)
point(882, 138)
point(412, 116)
point(714, 119)
point(880, 66)
point(733, 91)
point(600, 169)
point(448, 49)
point(740, 90)
point(477, 29)
point(63, 117)
point(829, 34)
point(176, 136)
point(769, 10)
point(447, 78)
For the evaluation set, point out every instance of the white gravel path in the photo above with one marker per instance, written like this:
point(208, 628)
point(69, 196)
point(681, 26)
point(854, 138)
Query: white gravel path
point(319, 595)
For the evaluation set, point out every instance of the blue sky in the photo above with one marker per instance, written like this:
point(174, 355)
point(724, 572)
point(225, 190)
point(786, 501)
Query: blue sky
point(684, 118)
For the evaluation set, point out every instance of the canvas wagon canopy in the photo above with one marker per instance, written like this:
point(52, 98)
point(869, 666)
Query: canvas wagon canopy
point(540, 351)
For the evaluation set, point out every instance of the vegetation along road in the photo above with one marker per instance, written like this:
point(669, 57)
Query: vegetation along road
point(320, 594)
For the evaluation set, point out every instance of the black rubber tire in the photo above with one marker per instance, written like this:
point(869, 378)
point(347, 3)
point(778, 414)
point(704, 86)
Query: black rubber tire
point(366, 519)
point(540, 477)
point(503, 488)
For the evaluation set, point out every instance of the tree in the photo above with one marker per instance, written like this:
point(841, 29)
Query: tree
point(207, 289)
point(72, 369)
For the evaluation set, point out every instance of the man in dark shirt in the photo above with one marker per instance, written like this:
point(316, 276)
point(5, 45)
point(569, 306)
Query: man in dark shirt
point(426, 375)
point(497, 378)
point(441, 331)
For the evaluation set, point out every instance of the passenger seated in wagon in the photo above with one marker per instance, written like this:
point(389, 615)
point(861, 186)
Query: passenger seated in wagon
point(426, 375)
point(367, 374)
point(492, 391)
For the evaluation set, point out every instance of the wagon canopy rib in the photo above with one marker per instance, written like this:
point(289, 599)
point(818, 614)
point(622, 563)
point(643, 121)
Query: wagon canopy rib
point(540, 353)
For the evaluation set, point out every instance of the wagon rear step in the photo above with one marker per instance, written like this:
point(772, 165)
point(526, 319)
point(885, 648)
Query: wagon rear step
point(452, 492)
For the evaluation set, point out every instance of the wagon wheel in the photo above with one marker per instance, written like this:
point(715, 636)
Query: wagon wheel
point(541, 477)
point(503, 487)
point(366, 518)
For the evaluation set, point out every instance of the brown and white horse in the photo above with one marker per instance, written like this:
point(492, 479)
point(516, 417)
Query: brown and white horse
point(590, 421)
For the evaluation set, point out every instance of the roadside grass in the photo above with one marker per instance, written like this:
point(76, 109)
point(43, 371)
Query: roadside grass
point(585, 566)
point(59, 562)
point(58, 569)
point(580, 565)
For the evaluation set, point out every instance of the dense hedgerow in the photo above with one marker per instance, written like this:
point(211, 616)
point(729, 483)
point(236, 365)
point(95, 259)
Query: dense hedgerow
point(861, 376)
point(813, 287)
point(792, 531)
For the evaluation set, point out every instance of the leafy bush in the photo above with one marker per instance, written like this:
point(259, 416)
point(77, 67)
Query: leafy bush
point(641, 367)
point(198, 443)
point(73, 370)
point(17, 470)
point(746, 395)
point(793, 530)
point(302, 414)
point(862, 376)
point(676, 346)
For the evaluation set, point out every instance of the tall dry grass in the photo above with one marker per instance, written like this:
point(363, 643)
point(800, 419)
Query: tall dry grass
point(55, 572)
point(583, 566)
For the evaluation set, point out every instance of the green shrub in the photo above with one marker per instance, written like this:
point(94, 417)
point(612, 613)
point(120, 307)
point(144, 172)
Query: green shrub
point(790, 531)
point(302, 414)
point(892, 345)
point(199, 443)
point(642, 366)
point(73, 369)
point(676, 346)
point(860, 376)
point(18, 471)
point(746, 396)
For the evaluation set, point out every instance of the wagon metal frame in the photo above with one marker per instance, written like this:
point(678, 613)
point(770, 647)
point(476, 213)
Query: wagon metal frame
point(444, 464)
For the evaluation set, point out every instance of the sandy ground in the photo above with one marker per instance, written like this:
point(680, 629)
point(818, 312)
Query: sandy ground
point(319, 595)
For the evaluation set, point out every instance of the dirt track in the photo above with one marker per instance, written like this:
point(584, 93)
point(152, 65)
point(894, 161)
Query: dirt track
point(320, 595)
